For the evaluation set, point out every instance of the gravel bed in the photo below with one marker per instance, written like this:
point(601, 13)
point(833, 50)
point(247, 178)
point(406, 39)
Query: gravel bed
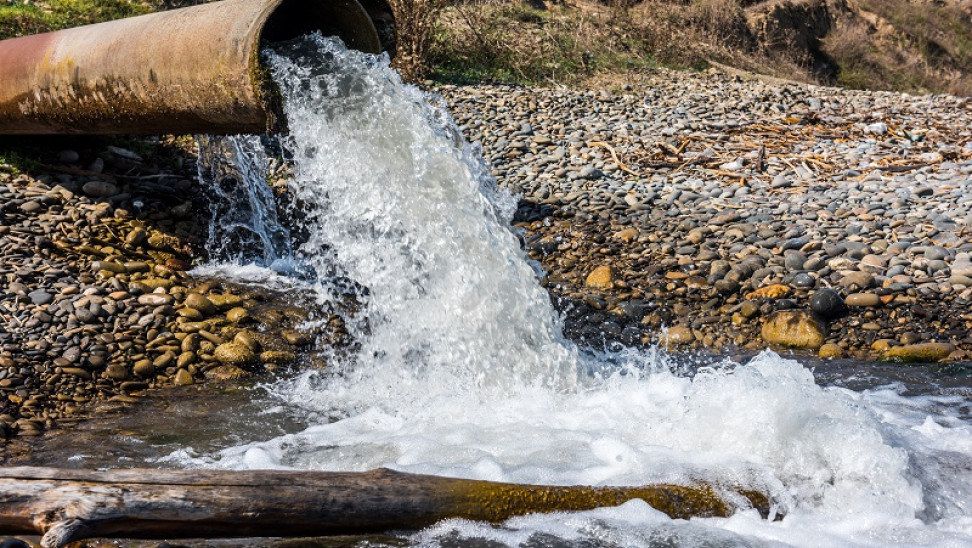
point(96, 306)
point(711, 210)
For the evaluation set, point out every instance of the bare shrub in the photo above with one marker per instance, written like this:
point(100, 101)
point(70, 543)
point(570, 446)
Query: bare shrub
point(414, 20)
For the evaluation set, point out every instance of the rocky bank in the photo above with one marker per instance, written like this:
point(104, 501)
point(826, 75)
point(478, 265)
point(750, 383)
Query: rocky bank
point(691, 210)
point(710, 210)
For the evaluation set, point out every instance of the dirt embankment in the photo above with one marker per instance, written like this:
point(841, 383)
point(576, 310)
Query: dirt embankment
point(907, 45)
point(915, 46)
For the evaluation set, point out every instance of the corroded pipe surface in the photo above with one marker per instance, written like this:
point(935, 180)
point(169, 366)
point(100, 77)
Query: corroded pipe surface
point(192, 70)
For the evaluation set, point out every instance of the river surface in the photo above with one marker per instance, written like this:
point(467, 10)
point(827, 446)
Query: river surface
point(463, 370)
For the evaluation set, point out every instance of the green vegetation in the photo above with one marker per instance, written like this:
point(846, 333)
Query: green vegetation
point(18, 18)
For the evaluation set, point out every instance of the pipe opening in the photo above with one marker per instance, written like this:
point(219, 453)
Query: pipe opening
point(344, 18)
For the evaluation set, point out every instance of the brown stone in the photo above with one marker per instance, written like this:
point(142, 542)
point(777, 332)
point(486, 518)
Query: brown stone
point(794, 329)
point(926, 352)
point(775, 291)
point(601, 277)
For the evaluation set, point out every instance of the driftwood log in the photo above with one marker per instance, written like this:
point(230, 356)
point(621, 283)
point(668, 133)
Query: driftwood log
point(69, 505)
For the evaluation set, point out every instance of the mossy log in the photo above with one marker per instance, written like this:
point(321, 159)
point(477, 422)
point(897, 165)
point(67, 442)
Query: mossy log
point(69, 505)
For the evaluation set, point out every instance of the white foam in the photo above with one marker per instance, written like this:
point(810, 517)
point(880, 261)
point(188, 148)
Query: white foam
point(463, 371)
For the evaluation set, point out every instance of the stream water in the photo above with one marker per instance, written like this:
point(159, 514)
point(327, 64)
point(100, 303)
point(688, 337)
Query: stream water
point(463, 370)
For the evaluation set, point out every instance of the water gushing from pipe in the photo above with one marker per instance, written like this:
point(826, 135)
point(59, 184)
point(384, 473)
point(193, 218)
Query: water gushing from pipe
point(463, 369)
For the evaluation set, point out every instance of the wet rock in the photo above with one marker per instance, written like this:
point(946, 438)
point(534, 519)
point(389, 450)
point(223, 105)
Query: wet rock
point(143, 368)
point(601, 277)
point(237, 315)
point(200, 303)
point(247, 339)
point(794, 329)
point(136, 237)
point(830, 350)
point(234, 353)
point(678, 335)
point(182, 378)
point(828, 304)
point(277, 357)
point(225, 373)
point(225, 301)
point(116, 372)
point(296, 338)
point(926, 352)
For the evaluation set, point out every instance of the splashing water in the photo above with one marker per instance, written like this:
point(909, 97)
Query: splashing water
point(463, 370)
point(243, 225)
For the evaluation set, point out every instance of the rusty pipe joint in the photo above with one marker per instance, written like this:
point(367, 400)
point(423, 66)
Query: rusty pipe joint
point(191, 70)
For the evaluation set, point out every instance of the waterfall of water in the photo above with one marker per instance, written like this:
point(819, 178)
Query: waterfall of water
point(463, 369)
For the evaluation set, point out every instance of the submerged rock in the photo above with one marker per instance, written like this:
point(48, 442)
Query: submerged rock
point(234, 353)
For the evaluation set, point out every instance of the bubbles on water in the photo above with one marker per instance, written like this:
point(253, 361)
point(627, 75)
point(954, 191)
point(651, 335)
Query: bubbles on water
point(463, 370)
point(408, 210)
point(244, 226)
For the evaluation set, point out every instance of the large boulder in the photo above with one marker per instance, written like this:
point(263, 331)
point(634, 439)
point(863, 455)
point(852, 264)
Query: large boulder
point(794, 329)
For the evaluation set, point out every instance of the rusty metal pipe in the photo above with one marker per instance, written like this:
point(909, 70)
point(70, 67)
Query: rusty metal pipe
point(191, 70)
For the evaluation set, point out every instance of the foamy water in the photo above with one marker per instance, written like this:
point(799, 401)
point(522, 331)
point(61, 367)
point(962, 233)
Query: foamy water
point(464, 372)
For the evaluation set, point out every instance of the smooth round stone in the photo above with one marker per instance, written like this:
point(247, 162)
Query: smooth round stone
point(99, 189)
point(68, 156)
point(863, 280)
point(40, 297)
point(117, 372)
point(143, 369)
point(874, 263)
point(828, 304)
point(830, 350)
point(749, 309)
point(802, 280)
point(910, 338)
point(200, 303)
point(936, 266)
point(862, 300)
point(182, 378)
point(155, 299)
point(794, 261)
point(936, 253)
point(814, 264)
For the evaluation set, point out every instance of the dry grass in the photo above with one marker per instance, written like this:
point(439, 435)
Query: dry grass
point(909, 47)
point(920, 47)
point(556, 44)
point(415, 20)
point(511, 40)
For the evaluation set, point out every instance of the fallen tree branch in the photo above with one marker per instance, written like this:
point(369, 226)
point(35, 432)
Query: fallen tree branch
point(70, 505)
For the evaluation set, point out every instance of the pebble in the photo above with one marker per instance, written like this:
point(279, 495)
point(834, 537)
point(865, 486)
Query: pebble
point(828, 304)
point(820, 213)
point(862, 299)
point(601, 277)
